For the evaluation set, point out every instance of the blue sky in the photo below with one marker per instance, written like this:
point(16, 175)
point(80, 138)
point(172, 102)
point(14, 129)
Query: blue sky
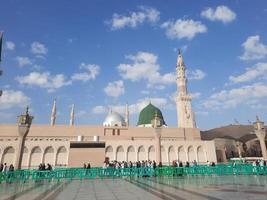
point(101, 54)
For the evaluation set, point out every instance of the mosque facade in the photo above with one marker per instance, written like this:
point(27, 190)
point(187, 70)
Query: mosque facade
point(150, 139)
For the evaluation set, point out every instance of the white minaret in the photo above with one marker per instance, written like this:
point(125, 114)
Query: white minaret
point(53, 114)
point(185, 114)
point(127, 114)
point(72, 115)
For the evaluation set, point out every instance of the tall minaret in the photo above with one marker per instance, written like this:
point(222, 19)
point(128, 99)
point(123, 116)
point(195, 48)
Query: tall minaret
point(53, 114)
point(127, 114)
point(185, 113)
point(72, 115)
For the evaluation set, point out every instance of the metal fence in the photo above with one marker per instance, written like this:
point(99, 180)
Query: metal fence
point(81, 173)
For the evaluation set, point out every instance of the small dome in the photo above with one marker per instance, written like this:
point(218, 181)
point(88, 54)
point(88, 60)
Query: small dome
point(114, 119)
point(147, 115)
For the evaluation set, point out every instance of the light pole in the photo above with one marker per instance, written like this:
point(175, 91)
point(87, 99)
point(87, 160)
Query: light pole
point(259, 130)
point(238, 145)
point(24, 124)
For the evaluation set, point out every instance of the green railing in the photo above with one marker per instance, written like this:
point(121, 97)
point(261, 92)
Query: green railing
point(80, 173)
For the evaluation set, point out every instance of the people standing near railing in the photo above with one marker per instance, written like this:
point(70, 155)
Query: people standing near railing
point(49, 167)
point(5, 168)
point(1, 167)
point(187, 164)
point(11, 168)
point(88, 166)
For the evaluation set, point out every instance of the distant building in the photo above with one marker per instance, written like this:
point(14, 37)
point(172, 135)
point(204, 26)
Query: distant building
point(151, 139)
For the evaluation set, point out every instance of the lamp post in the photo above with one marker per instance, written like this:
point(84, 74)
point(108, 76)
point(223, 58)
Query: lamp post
point(157, 144)
point(24, 124)
point(238, 145)
point(259, 130)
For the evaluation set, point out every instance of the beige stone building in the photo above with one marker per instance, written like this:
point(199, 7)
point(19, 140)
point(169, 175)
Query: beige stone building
point(151, 139)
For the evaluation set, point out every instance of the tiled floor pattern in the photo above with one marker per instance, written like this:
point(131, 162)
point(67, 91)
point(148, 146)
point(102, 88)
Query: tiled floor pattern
point(169, 188)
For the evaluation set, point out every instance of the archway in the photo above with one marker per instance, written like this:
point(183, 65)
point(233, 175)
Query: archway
point(62, 156)
point(120, 154)
point(141, 153)
point(131, 156)
point(163, 155)
point(151, 153)
point(110, 153)
point(8, 155)
point(181, 154)
point(172, 156)
point(201, 155)
point(36, 157)
point(49, 155)
point(191, 156)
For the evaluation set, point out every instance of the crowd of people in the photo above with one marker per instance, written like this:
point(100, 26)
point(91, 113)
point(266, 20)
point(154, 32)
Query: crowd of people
point(260, 163)
point(42, 167)
point(148, 163)
point(4, 168)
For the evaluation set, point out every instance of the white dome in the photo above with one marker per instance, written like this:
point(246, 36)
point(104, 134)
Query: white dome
point(114, 119)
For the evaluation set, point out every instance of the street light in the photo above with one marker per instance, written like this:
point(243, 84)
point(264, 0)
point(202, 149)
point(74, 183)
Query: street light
point(24, 124)
point(259, 130)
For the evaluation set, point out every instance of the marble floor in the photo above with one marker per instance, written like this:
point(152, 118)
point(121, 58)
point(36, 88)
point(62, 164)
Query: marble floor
point(168, 188)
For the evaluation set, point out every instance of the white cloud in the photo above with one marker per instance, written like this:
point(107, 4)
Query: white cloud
point(99, 110)
point(234, 97)
point(257, 71)
point(195, 95)
point(134, 108)
point(202, 113)
point(146, 14)
point(253, 49)
point(44, 80)
point(115, 88)
point(144, 66)
point(22, 61)
point(221, 13)
point(38, 48)
point(10, 45)
point(183, 28)
point(11, 98)
point(196, 74)
point(92, 71)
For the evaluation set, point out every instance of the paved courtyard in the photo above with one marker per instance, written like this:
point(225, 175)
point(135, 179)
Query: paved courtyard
point(199, 187)
point(168, 188)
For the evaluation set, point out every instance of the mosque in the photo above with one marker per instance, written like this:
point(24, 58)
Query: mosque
point(150, 139)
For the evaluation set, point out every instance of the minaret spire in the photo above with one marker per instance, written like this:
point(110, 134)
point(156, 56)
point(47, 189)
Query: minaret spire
point(127, 114)
point(180, 61)
point(185, 114)
point(53, 114)
point(72, 115)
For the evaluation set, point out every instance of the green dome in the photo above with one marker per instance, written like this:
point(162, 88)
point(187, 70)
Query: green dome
point(148, 113)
